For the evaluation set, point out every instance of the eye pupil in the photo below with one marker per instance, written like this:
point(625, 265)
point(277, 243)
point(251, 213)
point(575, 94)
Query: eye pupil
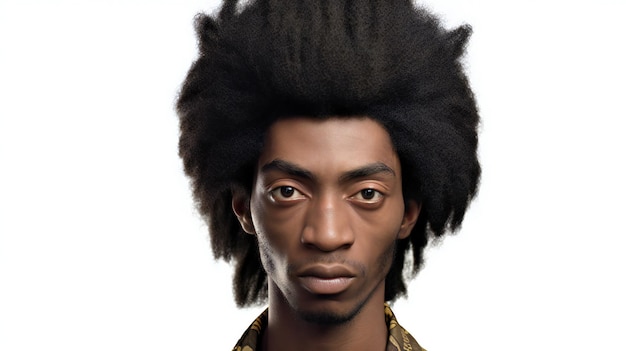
point(286, 191)
point(368, 194)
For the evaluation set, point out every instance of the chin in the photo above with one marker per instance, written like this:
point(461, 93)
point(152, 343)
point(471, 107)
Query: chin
point(333, 310)
point(329, 317)
point(330, 311)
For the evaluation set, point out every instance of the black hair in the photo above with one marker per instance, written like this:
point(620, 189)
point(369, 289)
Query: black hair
point(386, 59)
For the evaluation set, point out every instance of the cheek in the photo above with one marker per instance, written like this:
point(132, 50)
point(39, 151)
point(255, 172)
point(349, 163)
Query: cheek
point(277, 235)
point(267, 255)
point(378, 235)
point(274, 228)
point(277, 223)
point(380, 227)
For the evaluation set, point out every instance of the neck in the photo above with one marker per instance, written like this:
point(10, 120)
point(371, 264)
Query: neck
point(286, 330)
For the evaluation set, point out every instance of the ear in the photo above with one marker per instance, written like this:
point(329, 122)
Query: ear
point(241, 208)
point(411, 213)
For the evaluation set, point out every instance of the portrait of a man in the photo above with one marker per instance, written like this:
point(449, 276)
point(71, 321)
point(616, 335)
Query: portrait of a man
point(327, 143)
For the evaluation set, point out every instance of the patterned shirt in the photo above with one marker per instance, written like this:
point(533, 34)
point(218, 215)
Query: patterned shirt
point(399, 339)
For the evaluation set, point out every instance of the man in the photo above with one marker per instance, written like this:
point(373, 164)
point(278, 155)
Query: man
point(325, 140)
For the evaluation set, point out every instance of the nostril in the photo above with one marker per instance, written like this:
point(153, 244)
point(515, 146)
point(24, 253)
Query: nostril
point(327, 235)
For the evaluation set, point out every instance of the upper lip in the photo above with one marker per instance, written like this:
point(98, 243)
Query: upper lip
point(326, 271)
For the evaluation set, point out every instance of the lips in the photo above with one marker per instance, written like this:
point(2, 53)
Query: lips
point(326, 280)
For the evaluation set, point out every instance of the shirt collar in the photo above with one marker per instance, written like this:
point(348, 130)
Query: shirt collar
point(399, 339)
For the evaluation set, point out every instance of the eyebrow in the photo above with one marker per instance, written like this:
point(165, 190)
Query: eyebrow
point(367, 171)
point(299, 172)
point(287, 167)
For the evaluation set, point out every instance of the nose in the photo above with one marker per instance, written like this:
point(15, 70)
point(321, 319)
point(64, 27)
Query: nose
point(327, 226)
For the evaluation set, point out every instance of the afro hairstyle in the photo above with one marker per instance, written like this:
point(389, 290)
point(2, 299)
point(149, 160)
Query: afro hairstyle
point(389, 60)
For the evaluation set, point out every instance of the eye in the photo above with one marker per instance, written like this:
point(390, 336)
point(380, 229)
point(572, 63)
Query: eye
point(286, 193)
point(368, 196)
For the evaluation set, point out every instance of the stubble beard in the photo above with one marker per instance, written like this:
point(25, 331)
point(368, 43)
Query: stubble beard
point(329, 318)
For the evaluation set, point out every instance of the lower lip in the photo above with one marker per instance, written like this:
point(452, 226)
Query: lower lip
point(326, 286)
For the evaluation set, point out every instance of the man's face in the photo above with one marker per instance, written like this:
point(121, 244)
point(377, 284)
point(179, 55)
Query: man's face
point(327, 209)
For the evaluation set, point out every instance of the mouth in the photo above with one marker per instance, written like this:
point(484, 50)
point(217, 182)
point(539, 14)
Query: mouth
point(326, 280)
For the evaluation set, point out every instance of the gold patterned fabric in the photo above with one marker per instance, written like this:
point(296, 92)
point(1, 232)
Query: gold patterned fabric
point(399, 338)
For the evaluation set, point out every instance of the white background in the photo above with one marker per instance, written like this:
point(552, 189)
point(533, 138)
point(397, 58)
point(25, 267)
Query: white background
point(101, 248)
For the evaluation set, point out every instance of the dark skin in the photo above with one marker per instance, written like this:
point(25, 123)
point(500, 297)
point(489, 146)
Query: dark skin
point(327, 209)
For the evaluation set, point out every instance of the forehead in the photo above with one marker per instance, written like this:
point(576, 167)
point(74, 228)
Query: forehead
point(330, 145)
